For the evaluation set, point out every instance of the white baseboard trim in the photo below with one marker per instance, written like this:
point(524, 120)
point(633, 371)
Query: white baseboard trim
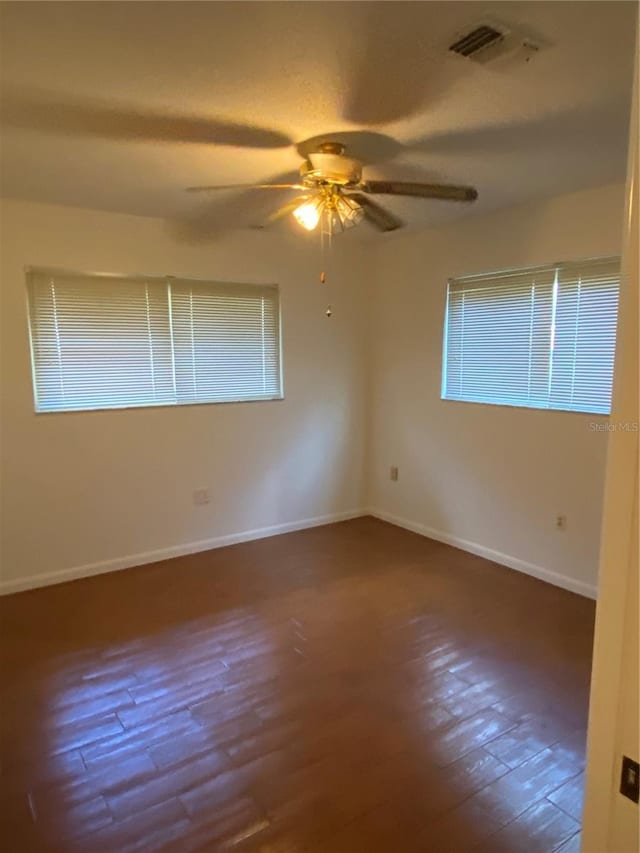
point(554, 578)
point(141, 559)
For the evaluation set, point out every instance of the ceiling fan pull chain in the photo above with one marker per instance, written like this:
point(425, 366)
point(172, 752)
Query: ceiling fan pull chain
point(323, 274)
point(323, 255)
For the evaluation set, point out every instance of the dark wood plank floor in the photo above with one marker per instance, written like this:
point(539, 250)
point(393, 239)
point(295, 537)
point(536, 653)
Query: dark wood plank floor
point(347, 689)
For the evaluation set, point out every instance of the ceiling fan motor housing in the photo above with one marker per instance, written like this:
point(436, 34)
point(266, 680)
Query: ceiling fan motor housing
point(332, 167)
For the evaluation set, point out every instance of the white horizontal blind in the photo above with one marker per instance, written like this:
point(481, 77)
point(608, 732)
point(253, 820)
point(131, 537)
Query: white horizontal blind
point(109, 342)
point(498, 333)
point(226, 340)
point(585, 334)
point(542, 338)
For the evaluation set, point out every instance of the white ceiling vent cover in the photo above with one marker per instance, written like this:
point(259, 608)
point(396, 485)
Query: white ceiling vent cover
point(489, 40)
point(478, 40)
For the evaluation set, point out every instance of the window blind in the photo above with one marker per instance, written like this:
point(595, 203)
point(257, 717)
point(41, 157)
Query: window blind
point(226, 340)
point(109, 342)
point(584, 336)
point(542, 337)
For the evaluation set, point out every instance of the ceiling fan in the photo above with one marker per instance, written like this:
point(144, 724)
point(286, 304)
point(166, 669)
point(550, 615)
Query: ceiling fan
point(336, 197)
point(332, 191)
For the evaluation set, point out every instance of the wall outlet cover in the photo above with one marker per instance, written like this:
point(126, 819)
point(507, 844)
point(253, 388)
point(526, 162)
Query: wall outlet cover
point(201, 497)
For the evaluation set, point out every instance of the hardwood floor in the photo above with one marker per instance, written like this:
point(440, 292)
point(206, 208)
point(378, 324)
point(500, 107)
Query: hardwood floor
point(347, 689)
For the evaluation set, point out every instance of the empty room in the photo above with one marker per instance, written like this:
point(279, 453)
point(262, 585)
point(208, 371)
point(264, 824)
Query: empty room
point(319, 427)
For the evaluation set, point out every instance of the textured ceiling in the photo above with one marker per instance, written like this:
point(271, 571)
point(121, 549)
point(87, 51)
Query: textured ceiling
point(121, 106)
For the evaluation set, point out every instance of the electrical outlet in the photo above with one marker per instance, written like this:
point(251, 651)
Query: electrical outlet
point(394, 473)
point(201, 497)
point(561, 522)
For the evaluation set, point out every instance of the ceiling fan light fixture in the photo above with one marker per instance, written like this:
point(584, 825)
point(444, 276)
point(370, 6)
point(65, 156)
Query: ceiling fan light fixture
point(348, 212)
point(308, 214)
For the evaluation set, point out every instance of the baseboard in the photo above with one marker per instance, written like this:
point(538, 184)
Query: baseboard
point(145, 557)
point(588, 590)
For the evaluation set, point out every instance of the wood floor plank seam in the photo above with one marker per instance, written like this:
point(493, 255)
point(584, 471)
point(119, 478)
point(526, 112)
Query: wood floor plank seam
point(560, 807)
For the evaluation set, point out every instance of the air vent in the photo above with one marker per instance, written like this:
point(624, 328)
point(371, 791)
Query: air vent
point(479, 39)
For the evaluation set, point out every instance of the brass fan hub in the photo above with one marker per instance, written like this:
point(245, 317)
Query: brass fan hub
point(331, 148)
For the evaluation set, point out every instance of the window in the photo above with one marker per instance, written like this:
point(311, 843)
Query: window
point(106, 342)
point(542, 338)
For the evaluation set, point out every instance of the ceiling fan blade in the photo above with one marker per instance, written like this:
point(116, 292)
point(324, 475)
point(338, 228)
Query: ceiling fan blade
point(50, 112)
point(213, 214)
point(214, 188)
point(376, 215)
point(285, 209)
point(440, 191)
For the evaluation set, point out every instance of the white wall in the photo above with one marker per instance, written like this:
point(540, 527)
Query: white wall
point(114, 488)
point(492, 477)
point(85, 488)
